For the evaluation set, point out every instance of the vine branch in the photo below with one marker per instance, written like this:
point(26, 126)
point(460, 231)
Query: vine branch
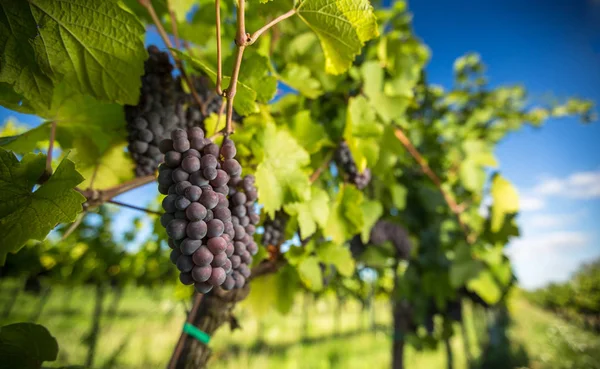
point(180, 343)
point(173, 24)
point(119, 203)
point(454, 207)
point(99, 197)
point(252, 39)
point(219, 62)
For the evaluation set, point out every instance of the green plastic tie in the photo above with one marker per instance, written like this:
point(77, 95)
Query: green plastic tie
point(196, 333)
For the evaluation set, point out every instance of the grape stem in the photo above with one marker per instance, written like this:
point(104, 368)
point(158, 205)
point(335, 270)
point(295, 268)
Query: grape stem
point(317, 173)
point(99, 197)
point(454, 207)
point(252, 39)
point(173, 24)
point(119, 203)
point(163, 35)
point(219, 63)
point(190, 319)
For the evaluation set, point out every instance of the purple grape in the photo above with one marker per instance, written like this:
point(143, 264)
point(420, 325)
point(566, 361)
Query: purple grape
point(211, 149)
point(195, 211)
point(168, 203)
point(202, 256)
point(181, 187)
point(223, 214)
point(219, 260)
point(176, 229)
point(203, 287)
point(235, 261)
point(196, 230)
point(173, 159)
point(209, 199)
point(182, 203)
point(217, 245)
point(190, 164)
point(229, 283)
point(217, 276)
point(208, 161)
point(215, 228)
point(192, 193)
point(221, 179)
point(166, 218)
point(180, 175)
point(189, 246)
point(186, 278)
point(175, 254)
point(184, 263)
point(232, 167)
point(209, 173)
point(201, 273)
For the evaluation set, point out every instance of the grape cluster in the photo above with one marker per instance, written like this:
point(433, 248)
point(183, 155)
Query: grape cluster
point(275, 229)
point(382, 232)
point(344, 159)
point(209, 210)
point(156, 114)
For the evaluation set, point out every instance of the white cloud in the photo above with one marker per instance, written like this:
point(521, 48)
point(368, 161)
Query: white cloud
point(531, 203)
point(580, 185)
point(544, 244)
point(548, 220)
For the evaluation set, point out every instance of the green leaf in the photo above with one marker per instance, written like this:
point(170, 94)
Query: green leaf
point(337, 255)
point(311, 135)
point(255, 74)
point(245, 98)
point(343, 26)
point(346, 215)
point(26, 346)
point(310, 273)
point(372, 211)
point(181, 8)
point(463, 271)
point(212, 124)
point(27, 214)
point(280, 178)
point(505, 201)
point(362, 133)
point(485, 286)
point(112, 168)
point(312, 212)
point(299, 78)
point(97, 50)
point(398, 192)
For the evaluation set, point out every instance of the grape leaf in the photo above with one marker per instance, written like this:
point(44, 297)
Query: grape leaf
point(114, 166)
point(312, 136)
point(255, 74)
point(26, 346)
point(244, 102)
point(338, 255)
point(279, 176)
point(299, 78)
point(505, 201)
point(343, 26)
point(213, 124)
point(99, 51)
point(388, 107)
point(485, 286)
point(310, 273)
point(362, 133)
point(398, 192)
point(346, 216)
point(311, 213)
point(372, 211)
point(26, 214)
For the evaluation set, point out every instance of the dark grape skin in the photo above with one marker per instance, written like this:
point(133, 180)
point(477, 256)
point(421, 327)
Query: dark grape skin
point(203, 287)
point(228, 150)
point(201, 273)
point(196, 230)
point(211, 149)
point(173, 159)
point(181, 203)
point(235, 261)
point(229, 283)
point(208, 161)
point(175, 254)
point(189, 246)
point(186, 278)
point(192, 192)
point(180, 175)
point(184, 263)
point(181, 187)
point(209, 199)
point(165, 145)
point(219, 260)
point(202, 256)
point(166, 218)
point(176, 229)
point(190, 164)
point(221, 179)
point(198, 180)
point(232, 167)
point(209, 173)
point(168, 203)
point(195, 212)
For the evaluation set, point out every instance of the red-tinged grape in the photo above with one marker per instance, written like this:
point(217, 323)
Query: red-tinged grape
point(217, 277)
point(211, 149)
point(223, 214)
point(219, 260)
point(209, 199)
point(201, 273)
point(221, 179)
point(190, 164)
point(203, 287)
point(193, 193)
point(208, 161)
point(196, 230)
point(209, 173)
point(236, 260)
point(195, 211)
point(227, 266)
point(217, 245)
point(202, 256)
point(195, 132)
point(229, 283)
point(232, 167)
point(215, 228)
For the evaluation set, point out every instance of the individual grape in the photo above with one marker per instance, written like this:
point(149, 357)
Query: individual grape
point(239, 211)
point(232, 167)
point(181, 203)
point(239, 198)
point(202, 256)
point(186, 278)
point(198, 180)
point(181, 187)
point(209, 199)
point(208, 161)
point(209, 173)
point(168, 203)
point(224, 190)
point(211, 149)
point(215, 228)
point(229, 250)
point(196, 230)
point(171, 244)
point(192, 152)
point(217, 276)
point(184, 263)
point(192, 193)
point(195, 212)
point(209, 216)
point(219, 260)
point(227, 266)
point(178, 134)
point(240, 248)
point(173, 159)
point(203, 287)
point(240, 232)
point(201, 273)
point(228, 150)
point(223, 202)
point(252, 248)
point(195, 132)
point(175, 254)
point(217, 245)
point(190, 164)
point(138, 147)
point(180, 175)
point(244, 221)
point(221, 179)
point(244, 270)
point(229, 283)
point(223, 214)
point(176, 229)
point(166, 218)
point(189, 246)
point(240, 281)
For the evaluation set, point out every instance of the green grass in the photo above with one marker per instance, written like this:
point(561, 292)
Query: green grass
point(147, 324)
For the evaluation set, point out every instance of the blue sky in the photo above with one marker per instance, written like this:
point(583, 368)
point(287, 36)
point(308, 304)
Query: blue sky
point(550, 46)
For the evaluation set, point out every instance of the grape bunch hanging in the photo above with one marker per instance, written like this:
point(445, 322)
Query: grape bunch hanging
point(274, 234)
point(156, 115)
point(344, 159)
point(210, 214)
